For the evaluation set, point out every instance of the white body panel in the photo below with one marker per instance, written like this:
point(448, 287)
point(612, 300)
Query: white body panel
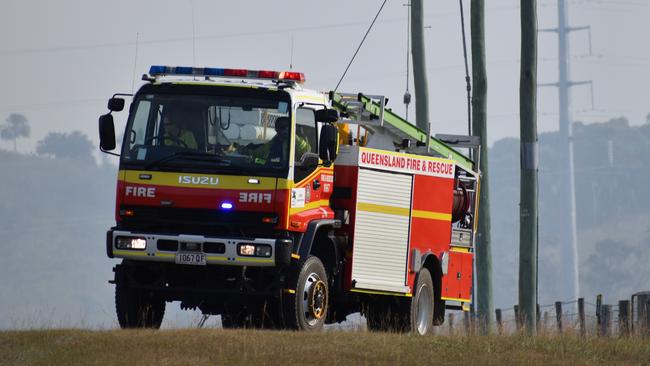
point(380, 252)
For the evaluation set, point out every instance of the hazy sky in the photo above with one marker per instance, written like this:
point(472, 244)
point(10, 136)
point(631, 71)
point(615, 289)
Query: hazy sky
point(61, 60)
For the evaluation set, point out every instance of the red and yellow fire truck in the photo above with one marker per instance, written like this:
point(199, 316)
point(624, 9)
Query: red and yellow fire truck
point(241, 193)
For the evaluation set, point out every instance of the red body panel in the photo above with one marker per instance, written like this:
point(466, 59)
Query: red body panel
point(457, 284)
point(430, 194)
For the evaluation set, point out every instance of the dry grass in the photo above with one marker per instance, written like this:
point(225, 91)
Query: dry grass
point(246, 347)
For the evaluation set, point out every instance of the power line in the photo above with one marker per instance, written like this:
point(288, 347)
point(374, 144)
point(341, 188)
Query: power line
point(360, 44)
point(69, 48)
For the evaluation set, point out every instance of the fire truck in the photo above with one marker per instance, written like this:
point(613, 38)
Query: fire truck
point(277, 206)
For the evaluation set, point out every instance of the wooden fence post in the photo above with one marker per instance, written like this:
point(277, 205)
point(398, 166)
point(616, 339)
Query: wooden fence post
point(466, 323)
point(517, 318)
point(624, 318)
point(581, 317)
point(538, 317)
point(499, 321)
point(599, 305)
point(646, 324)
point(605, 320)
point(558, 316)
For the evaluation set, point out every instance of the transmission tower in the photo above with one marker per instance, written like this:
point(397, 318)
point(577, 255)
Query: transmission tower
point(567, 211)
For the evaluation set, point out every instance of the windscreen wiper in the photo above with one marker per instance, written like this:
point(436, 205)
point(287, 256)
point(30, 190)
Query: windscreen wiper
point(190, 155)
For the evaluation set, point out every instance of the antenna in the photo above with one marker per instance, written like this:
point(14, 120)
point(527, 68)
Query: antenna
point(135, 61)
point(193, 36)
point(291, 60)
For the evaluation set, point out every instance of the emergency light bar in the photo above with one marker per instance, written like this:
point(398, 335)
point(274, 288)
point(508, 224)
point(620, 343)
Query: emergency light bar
point(156, 70)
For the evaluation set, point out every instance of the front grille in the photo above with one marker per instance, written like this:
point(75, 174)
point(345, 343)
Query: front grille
point(196, 221)
point(168, 245)
point(215, 248)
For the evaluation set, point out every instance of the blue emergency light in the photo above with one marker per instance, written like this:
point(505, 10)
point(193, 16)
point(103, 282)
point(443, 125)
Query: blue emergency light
point(158, 70)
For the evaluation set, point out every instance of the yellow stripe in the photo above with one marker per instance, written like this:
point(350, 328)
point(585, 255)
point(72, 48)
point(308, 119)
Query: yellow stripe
point(309, 206)
point(431, 215)
point(224, 181)
point(460, 249)
point(216, 258)
point(130, 253)
point(455, 299)
point(381, 293)
point(309, 97)
point(166, 255)
point(254, 260)
point(390, 210)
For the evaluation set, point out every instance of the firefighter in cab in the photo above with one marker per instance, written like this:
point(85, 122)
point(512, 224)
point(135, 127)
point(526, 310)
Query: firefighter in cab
point(174, 132)
point(276, 151)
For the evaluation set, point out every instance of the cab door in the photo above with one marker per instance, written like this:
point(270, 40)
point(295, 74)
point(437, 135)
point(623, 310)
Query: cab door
point(313, 183)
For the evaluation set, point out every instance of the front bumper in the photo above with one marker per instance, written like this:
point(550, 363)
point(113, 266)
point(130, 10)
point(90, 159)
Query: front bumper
point(160, 248)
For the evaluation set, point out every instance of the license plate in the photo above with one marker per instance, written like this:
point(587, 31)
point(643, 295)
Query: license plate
point(195, 259)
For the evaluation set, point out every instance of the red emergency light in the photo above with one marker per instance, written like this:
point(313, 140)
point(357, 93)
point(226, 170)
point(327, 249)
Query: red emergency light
point(298, 77)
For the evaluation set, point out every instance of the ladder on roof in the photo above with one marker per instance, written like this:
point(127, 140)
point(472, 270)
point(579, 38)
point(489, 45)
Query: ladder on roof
point(370, 110)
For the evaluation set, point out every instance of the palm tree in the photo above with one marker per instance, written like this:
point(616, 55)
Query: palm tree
point(15, 128)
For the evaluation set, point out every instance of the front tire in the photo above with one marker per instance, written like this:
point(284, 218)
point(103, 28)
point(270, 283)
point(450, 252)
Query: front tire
point(137, 309)
point(307, 308)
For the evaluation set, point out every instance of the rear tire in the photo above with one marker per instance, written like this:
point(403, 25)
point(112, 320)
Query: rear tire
point(307, 308)
point(137, 309)
point(422, 305)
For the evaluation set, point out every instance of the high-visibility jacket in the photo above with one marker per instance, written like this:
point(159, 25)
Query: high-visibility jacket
point(186, 137)
point(277, 149)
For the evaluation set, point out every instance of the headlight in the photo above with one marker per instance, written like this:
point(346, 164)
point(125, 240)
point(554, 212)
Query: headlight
point(254, 250)
point(247, 250)
point(124, 242)
point(263, 251)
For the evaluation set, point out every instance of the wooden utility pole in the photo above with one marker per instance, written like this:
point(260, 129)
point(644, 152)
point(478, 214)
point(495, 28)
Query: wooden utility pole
point(419, 67)
point(528, 158)
point(479, 120)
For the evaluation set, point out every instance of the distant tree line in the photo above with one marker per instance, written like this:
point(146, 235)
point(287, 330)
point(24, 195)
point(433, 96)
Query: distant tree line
point(59, 145)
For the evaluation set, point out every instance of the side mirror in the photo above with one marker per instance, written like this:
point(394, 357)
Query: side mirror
point(327, 115)
point(328, 143)
point(106, 132)
point(116, 104)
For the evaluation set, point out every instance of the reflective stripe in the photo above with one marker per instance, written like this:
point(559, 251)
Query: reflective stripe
point(391, 210)
point(130, 253)
point(455, 299)
point(381, 293)
point(431, 215)
point(216, 258)
point(222, 181)
point(254, 260)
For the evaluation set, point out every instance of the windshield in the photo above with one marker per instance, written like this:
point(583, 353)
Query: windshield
point(245, 133)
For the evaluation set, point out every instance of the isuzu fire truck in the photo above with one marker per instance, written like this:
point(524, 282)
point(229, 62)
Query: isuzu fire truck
point(287, 207)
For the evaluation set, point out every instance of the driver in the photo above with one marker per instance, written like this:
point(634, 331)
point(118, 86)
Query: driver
point(174, 133)
point(277, 149)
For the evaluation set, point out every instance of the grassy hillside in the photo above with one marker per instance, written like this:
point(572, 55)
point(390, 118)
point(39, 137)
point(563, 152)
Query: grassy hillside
point(244, 347)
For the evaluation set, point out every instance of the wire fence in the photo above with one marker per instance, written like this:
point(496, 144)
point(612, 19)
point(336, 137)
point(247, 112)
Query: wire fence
point(579, 317)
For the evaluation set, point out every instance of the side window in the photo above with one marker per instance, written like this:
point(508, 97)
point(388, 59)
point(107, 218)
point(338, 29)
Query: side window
point(306, 149)
point(139, 128)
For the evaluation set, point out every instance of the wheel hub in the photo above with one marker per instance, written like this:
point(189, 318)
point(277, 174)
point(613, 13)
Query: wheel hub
point(318, 299)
